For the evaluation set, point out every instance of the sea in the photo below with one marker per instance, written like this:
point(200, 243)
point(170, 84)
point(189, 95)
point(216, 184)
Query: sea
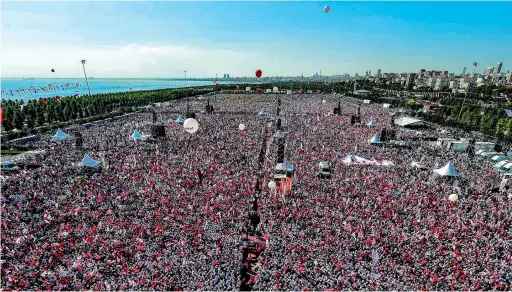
point(35, 88)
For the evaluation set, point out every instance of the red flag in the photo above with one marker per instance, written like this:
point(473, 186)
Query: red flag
point(1, 115)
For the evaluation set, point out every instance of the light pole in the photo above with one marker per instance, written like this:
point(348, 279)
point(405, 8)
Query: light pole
point(86, 80)
point(185, 78)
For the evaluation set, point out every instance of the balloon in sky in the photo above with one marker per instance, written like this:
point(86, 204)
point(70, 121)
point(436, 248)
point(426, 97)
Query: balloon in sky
point(259, 90)
point(327, 9)
point(258, 73)
point(191, 125)
point(53, 70)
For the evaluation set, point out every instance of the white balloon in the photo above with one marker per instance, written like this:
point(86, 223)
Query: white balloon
point(453, 197)
point(327, 9)
point(324, 101)
point(272, 185)
point(241, 127)
point(191, 125)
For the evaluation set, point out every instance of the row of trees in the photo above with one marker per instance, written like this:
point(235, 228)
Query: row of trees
point(41, 115)
point(480, 112)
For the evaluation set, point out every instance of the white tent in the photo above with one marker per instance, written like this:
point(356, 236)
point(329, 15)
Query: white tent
point(375, 140)
point(418, 165)
point(372, 123)
point(357, 160)
point(501, 163)
point(447, 170)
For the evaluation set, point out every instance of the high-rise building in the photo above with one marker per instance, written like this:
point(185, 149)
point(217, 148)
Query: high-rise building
point(369, 72)
point(498, 67)
point(357, 75)
point(464, 71)
point(409, 81)
point(488, 71)
point(225, 76)
point(379, 71)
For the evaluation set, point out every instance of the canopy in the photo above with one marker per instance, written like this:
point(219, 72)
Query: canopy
point(87, 161)
point(354, 159)
point(60, 136)
point(498, 158)
point(447, 170)
point(406, 121)
point(372, 123)
point(375, 140)
point(500, 164)
point(261, 113)
point(136, 135)
point(418, 165)
point(180, 120)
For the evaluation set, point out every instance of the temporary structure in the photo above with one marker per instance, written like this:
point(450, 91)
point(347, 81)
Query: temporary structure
point(447, 170)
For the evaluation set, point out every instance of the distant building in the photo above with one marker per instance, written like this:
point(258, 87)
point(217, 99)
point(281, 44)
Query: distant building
point(409, 81)
point(441, 82)
point(454, 85)
point(488, 71)
point(369, 72)
point(498, 67)
point(445, 73)
point(357, 75)
point(379, 71)
point(464, 71)
point(362, 92)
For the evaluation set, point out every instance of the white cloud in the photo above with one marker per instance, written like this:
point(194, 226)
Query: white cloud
point(132, 60)
point(148, 61)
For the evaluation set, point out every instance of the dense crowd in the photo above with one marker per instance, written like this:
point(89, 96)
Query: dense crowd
point(167, 215)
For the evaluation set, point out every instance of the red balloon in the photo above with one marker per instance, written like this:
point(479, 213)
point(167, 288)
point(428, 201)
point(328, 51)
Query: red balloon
point(45, 101)
point(238, 86)
point(259, 90)
point(217, 84)
point(259, 73)
point(57, 97)
point(53, 70)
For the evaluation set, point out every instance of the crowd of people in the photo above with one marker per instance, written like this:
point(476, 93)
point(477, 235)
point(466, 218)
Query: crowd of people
point(168, 214)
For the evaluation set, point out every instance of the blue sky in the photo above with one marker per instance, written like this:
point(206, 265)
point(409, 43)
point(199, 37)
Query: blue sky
point(162, 39)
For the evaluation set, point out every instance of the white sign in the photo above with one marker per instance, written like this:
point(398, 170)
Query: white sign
point(247, 89)
point(275, 89)
point(288, 92)
point(366, 101)
point(386, 105)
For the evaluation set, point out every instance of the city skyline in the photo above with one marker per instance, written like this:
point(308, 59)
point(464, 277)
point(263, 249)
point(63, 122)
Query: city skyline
point(163, 39)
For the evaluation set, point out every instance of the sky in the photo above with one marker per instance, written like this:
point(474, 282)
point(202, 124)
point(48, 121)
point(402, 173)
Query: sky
point(162, 39)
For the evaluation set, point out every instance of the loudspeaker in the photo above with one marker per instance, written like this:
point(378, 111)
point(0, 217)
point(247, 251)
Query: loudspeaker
point(498, 147)
point(191, 115)
point(158, 131)
point(154, 117)
point(471, 148)
point(78, 140)
point(352, 120)
point(358, 110)
point(209, 109)
point(383, 135)
point(279, 124)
